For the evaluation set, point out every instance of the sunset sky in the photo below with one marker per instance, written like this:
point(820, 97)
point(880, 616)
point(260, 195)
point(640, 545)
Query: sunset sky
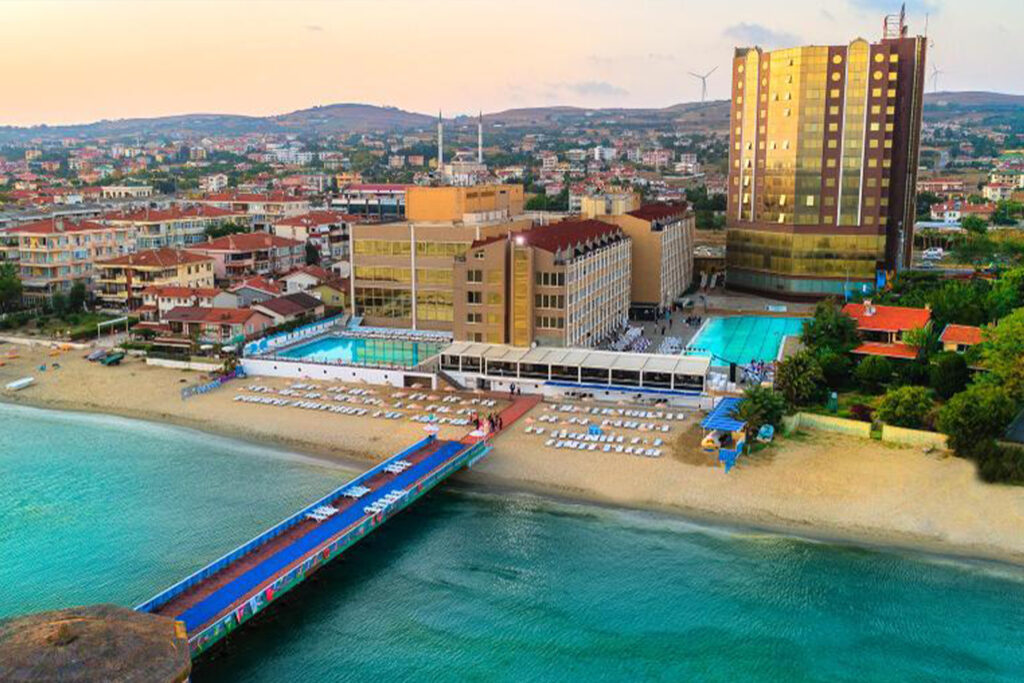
point(71, 61)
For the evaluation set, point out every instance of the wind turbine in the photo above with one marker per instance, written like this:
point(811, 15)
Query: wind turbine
point(703, 83)
point(935, 77)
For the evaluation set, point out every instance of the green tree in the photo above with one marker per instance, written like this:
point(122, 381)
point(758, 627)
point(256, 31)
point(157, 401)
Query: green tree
point(10, 286)
point(836, 367)
point(1006, 294)
point(76, 297)
point(312, 254)
point(761, 406)
point(974, 225)
point(924, 339)
point(976, 417)
point(905, 407)
point(925, 201)
point(872, 373)
point(949, 374)
point(1002, 354)
point(59, 303)
point(799, 379)
point(830, 329)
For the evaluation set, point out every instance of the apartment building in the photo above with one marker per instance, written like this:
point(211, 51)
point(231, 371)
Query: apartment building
point(328, 231)
point(176, 227)
point(55, 253)
point(121, 280)
point(566, 284)
point(662, 254)
point(608, 204)
point(824, 145)
point(263, 210)
point(236, 257)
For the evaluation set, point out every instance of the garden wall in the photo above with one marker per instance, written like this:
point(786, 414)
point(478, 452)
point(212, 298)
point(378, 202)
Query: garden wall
point(914, 437)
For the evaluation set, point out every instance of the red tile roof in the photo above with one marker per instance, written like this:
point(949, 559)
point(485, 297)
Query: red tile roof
point(887, 350)
point(313, 271)
point(653, 212)
point(291, 304)
point(559, 236)
point(197, 314)
point(887, 318)
point(53, 226)
point(156, 258)
point(173, 291)
point(313, 218)
point(242, 197)
point(967, 335)
point(245, 241)
point(173, 214)
point(258, 283)
point(378, 187)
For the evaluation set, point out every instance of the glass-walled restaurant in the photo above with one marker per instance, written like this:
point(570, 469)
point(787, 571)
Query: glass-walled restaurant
point(606, 369)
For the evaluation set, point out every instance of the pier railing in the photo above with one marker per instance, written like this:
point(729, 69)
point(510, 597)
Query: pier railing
point(209, 570)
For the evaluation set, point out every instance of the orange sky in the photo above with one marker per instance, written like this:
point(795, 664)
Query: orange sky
point(75, 60)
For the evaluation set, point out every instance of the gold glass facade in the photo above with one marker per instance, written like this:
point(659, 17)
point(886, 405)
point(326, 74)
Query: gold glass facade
point(823, 146)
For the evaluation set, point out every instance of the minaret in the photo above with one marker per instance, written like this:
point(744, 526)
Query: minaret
point(480, 138)
point(440, 142)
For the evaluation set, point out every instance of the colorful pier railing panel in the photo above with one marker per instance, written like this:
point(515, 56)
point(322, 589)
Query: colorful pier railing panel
point(298, 334)
point(219, 613)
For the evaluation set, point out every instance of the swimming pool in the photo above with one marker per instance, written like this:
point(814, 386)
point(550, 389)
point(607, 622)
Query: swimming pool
point(742, 339)
point(359, 351)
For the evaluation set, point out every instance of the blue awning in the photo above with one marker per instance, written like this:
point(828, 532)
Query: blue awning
point(721, 417)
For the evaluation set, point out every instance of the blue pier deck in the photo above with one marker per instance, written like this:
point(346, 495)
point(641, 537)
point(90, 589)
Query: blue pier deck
point(220, 597)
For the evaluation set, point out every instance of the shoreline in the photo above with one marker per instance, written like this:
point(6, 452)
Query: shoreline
point(476, 481)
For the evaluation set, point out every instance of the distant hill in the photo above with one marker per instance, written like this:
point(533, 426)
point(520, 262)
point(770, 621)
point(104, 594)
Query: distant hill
point(360, 118)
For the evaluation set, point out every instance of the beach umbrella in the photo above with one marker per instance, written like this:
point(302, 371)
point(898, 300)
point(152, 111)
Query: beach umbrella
point(433, 429)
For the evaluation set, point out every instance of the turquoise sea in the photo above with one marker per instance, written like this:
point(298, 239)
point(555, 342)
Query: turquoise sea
point(479, 586)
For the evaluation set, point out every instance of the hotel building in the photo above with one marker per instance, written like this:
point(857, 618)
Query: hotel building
point(401, 273)
point(662, 253)
point(567, 284)
point(822, 166)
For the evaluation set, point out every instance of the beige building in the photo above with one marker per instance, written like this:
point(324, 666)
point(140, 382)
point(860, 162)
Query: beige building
point(120, 281)
point(176, 227)
point(567, 284)
point(608, 204)
point(55, 253)
point(401, 273)
point(473, 204)
point(663, 241)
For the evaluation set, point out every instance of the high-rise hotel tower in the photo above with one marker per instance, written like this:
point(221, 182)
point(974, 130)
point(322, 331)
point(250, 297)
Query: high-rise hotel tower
point(823, 163)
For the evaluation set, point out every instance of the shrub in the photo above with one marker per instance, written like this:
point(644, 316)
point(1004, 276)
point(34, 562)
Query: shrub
point(998, 463)
point(830, 329)
point(949, 375)
point(872, 373)
point(975, 417)
point(861, 412)
point(761, 406)
point(799, 379)
point(905, 407)
point(912, 373)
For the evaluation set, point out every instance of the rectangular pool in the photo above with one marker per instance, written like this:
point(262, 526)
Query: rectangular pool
point(742, 339)
point(359, 351)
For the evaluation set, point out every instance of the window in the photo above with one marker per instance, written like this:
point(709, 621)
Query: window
point(474, 318)
point(474, 276)
point(474, 297)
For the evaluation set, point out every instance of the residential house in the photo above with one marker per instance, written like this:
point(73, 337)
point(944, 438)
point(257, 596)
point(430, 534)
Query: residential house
point(263, 210)
point(253, 290)
point(217, 325)
point(291, 307)
point(328, 231)
point(960, 338)
point(881, 328)
point(159, 299)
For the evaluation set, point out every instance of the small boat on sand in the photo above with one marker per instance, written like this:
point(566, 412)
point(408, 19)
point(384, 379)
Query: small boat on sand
point(20, 384)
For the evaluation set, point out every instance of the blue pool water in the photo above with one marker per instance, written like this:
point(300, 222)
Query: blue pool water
point(745, 338)
point(481, 586)
point(355, 351)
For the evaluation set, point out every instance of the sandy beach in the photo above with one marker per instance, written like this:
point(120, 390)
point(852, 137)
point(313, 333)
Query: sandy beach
point(813, 484)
